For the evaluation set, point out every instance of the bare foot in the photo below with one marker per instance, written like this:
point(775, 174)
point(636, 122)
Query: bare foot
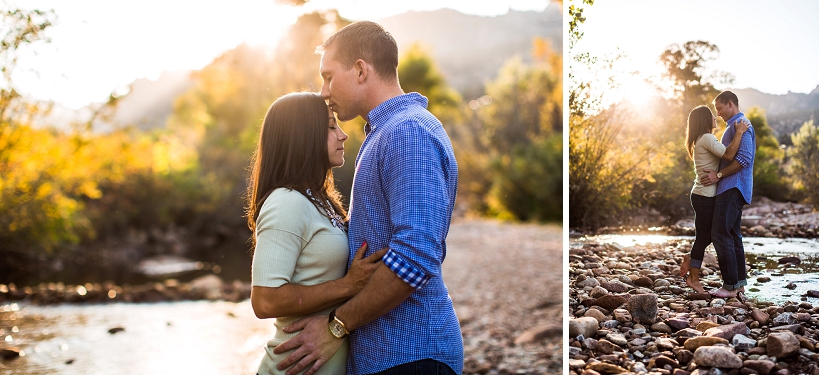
point(741, 296)
point(686, 264)
point(724, 293)
point(694, 284)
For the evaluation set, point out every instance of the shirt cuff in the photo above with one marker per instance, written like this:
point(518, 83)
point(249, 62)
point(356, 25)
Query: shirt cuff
point(413, 276)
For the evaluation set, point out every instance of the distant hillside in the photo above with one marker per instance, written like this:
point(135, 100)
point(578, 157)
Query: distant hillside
point(786, 113)
point(149, 103)
point(468, 49)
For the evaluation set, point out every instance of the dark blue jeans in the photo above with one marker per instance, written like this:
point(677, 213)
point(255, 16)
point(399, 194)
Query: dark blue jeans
point(422, 367)
point(725, 232)
point(703, 220)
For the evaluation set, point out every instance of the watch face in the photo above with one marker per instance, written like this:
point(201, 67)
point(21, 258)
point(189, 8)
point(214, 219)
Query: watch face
point(336, 329)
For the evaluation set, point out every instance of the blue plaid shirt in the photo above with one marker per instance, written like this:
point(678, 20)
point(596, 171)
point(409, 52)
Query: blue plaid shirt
point(403, 195)
point(744, 179)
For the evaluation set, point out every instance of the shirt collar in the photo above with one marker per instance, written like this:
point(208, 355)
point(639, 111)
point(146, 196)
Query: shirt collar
point(735, 118)
point(384, 111)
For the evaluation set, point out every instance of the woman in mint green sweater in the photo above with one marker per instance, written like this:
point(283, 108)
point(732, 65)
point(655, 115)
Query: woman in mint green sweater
point(299, 225)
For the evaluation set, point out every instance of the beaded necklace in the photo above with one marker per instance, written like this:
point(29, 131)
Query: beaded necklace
point(335, 219)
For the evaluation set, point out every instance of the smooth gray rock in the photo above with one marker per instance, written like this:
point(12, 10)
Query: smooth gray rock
point(716, 356)
point(586, 326)
point(643, 308)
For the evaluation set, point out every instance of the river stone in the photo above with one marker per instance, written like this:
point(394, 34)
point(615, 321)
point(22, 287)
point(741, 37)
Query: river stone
point(795, 328)
point(760, 316)
point(606, 368)
point(661, 327)
point(760, 366)
point(617, 339)
point(622, 315)
point(728, 331)
point(610, 324)
point(813, 293)
point(576, 364)
point(539, 333)
point(610, 302)
point(716, 356)
point(661, 282)
point(805, 343)
point(784, 318)
point(665, 343)
point(688, 332)
point(742, 342)
point(763, 279)
point(208, 287)
point(10, 352)
point(717, 302)
point(595, 313)
point(793, 260)
point(643, 308)
point(699, 296)
point(590, 282)
point(607, 347)
point(616, 286)
point(782, 344)
point(802, 317)
point(624, 279)
point(644, 281)
point(695, 342)
point(677, 323)
point(661, 361)
point(684, 356)
point(598, 292)
point(586, 326)
point(705, 325)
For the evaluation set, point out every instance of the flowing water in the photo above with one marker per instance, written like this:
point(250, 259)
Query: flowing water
point(193, 337)
point(762, 254)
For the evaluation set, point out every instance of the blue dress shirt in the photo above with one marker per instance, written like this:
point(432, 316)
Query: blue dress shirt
point(403, 195)
point(744, 179)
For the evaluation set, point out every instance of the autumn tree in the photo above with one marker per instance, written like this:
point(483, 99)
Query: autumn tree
point(805, 157)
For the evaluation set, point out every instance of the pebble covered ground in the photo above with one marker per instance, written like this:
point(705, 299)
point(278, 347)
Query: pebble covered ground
point(631, 312)
point(506, 281)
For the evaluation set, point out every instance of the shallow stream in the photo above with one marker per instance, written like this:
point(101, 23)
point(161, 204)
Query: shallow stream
point(762, 254)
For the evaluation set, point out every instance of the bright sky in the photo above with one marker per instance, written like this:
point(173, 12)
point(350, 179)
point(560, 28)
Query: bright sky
point(101, 46)
point(767, 45)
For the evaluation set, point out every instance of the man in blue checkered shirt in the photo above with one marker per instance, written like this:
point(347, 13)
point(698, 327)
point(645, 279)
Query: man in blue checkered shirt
point(403, 321)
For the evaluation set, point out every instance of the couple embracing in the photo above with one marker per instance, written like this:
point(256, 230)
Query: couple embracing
point(341, 304)
point(723, 185)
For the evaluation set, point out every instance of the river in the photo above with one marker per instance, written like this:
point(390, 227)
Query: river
point(193, 337)
point(761, 253)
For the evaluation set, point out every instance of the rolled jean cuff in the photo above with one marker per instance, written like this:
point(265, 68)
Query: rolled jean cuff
point(738, 285)
point(695, 263)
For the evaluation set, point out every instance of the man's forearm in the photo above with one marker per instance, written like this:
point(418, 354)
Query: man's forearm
point(732, 168)
point(383, 293)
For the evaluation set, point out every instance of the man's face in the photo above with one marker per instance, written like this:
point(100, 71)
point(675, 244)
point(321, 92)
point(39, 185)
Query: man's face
point(724, 110)
point(340, 87)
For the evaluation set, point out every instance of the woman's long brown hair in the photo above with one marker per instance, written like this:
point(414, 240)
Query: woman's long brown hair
point(292, 153)
point(700, 121)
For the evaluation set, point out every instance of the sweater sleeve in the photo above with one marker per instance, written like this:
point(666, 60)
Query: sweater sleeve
point(282, 231)
point(713, 145)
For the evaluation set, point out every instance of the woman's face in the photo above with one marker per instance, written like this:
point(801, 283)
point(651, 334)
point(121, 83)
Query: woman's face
point(335, 142)
point(713, 122)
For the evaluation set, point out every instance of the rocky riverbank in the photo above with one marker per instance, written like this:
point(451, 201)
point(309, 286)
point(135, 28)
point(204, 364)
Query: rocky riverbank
point(764, 218)
point(209, 287)
point(630, 311)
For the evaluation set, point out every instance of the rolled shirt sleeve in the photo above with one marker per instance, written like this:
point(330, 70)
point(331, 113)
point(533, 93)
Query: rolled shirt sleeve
point(745, 153)
point(413, 171)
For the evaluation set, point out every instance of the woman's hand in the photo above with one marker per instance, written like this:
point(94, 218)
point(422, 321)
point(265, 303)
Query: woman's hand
point(362, 268)
point(742, 126)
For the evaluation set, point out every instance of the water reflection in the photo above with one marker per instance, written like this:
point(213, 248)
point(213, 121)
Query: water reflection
point(768, 280)
point(163, 338)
